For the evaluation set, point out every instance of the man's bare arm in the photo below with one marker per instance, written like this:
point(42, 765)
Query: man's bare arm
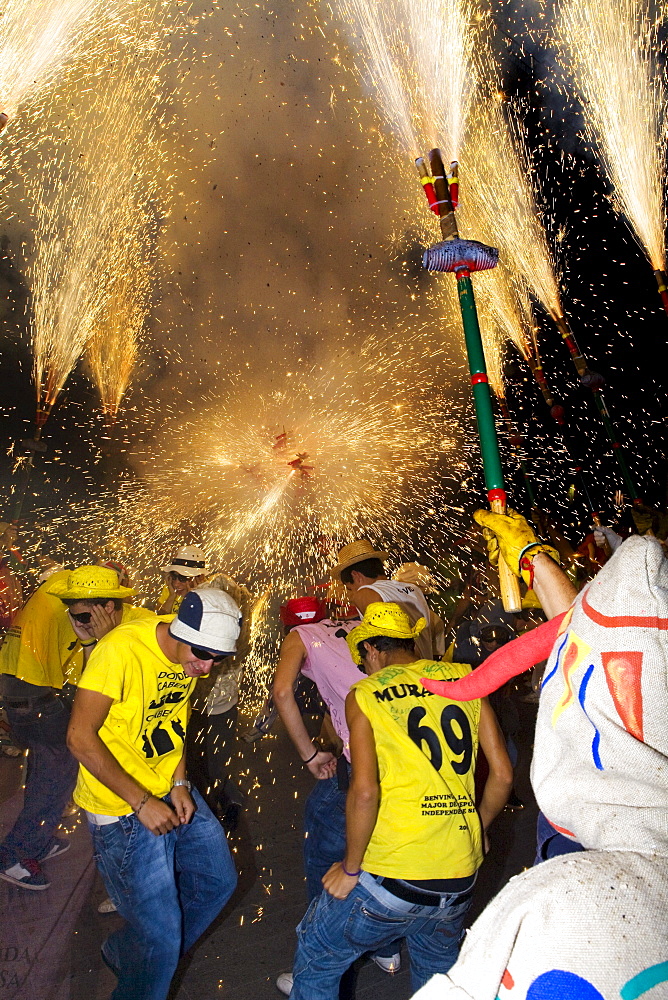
point(293, 654)
point(553, 589)
point(500, 781)
point(361, 804)
point(89, 711)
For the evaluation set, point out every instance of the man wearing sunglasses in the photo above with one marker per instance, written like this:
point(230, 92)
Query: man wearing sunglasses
point(40, 663)
point(186, 572)
point(160, 850)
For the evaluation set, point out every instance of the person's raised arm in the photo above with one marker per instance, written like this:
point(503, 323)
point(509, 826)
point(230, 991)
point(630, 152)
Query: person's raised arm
point(89, 711)
point(536, 562)
point(500, 781)
point(320, 763)
point(361, 803)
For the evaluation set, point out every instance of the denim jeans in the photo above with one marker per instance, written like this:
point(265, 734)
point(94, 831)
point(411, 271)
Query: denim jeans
point(335, 932)
point(550, 843)
point(325, 829)
point(168, 889)
point(50, 777)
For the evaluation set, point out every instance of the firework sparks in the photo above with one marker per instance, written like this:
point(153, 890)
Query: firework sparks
point(610, 49)
point(91, 209)
point(39, 40)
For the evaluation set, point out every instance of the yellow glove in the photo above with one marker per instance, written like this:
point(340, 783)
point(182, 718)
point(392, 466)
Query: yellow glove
point(512, 535)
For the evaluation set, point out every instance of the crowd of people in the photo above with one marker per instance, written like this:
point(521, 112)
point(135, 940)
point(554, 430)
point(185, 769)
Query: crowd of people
point(132, 713)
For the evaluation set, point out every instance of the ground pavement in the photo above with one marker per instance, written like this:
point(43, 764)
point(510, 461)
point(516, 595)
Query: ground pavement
point(50, 941)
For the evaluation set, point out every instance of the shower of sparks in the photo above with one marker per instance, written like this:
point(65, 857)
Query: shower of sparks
point(113, 349)
point(92, 205)
point(609, 49)
point(349, 450)
point(442, 37)
point(39, 39)
point(499, 205)
point(418, 61)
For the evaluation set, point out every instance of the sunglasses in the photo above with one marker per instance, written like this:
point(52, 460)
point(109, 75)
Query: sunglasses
point(494, 634)
point(179, 577)
point(83, 617)
point(204, 654)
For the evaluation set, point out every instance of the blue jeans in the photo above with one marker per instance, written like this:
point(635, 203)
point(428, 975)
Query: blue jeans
point(50, 777)
point(325, 829)
point(335, 932)
point(168, 889)
point(325, 841)
point(550, 843)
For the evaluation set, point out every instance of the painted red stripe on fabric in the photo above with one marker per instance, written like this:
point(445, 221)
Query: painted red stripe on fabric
point(622, 621)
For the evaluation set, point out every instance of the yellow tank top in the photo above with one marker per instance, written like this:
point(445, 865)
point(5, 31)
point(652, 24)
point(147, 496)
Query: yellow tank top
point(427, 826)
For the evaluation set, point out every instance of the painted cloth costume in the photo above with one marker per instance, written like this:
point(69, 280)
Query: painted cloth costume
point(592, 925)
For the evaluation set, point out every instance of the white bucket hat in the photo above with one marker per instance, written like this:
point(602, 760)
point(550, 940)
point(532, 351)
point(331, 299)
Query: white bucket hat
point(209, 619)
point(188, 561)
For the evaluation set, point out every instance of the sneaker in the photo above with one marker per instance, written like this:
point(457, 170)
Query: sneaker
point(27, 874)
point(388, 963)
point(284, 983)
point(57, 847)
point(106, 906)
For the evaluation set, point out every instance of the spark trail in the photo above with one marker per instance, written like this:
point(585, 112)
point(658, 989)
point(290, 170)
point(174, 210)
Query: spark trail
point(39, 39)
point(609, 48)
point(91, 208)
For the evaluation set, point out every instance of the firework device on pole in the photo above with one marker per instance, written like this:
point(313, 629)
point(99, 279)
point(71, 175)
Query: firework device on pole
point(662, 282)
point(461, 257)
point(595, 382)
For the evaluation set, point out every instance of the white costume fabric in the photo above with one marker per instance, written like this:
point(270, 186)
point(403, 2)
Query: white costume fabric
point(593, 925)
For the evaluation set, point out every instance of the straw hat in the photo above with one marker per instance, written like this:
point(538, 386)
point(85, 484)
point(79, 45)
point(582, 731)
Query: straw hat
point(417, 574)
point(357, 552)
point(188, 561)
point(383, 618)
point(88, 582)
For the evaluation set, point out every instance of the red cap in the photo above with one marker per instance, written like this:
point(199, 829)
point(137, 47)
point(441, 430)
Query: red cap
point(302, 611)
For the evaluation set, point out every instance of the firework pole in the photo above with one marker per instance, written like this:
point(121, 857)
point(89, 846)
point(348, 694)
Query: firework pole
point(462, 257)
point(595, 382)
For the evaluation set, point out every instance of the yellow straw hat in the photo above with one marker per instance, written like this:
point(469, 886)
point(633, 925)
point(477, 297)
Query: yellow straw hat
point(357, 552)
point(382, 618)
point(88, 582)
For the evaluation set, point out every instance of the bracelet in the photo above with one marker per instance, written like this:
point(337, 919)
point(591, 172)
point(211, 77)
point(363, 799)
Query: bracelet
point(147, 796)
point(350, 874)
point(91, 643)
point(314, 755)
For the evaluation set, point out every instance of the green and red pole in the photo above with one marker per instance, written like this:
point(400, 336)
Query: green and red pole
point(461, 257)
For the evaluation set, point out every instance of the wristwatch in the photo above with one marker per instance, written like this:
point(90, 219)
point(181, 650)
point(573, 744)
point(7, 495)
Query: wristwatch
point(184, 782)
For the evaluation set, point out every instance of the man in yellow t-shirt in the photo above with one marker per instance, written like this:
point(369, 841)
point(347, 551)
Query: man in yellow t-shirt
point(414, 839)
point(40, 662)
point(187, 571)
point(160, 850)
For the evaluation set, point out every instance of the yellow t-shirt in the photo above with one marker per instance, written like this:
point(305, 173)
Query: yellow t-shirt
point(178, 599)
point(41, 647)
point(146, 725)
point(427, 826)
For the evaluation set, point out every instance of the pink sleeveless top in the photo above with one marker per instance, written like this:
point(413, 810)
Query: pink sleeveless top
point(328, 663)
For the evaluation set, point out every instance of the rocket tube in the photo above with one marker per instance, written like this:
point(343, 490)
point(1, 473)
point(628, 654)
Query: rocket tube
point(427, 183)
point(453, 183)
point(446, 212)
point(662, 283)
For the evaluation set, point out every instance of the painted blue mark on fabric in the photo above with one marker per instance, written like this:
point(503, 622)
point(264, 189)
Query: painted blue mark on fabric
point(596, 742)
point(556, 664)
point(557, 984)
point(645, 981)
